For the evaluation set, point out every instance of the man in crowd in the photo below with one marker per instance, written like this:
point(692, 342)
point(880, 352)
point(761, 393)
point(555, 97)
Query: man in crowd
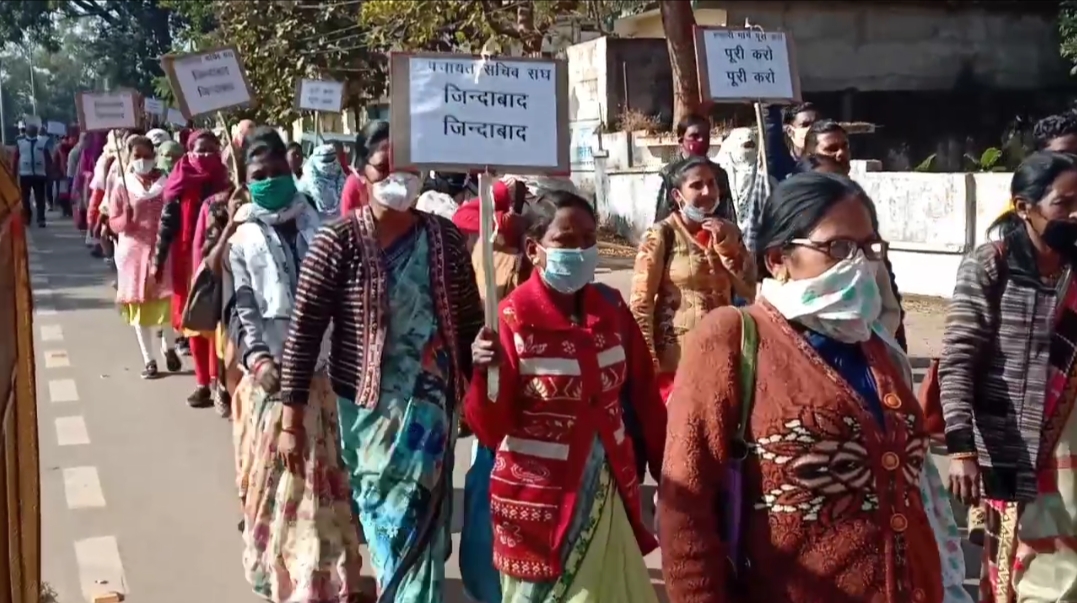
point(33, 161)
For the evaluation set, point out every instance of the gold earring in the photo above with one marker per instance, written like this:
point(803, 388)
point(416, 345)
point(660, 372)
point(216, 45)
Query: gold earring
point(782, 276)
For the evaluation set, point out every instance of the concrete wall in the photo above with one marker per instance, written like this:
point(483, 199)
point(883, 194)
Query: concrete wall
point(930, 220)
point(910, 46)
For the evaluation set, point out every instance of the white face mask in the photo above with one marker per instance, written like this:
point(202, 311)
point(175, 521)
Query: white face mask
point(143, 166)
point(842, 303)
point(398, 192)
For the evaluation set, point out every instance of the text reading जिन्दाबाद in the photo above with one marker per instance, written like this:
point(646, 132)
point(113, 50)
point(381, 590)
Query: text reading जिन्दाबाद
point(477, 107)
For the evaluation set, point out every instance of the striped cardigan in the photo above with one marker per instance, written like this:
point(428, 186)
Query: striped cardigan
point(993, 371)
point(343, 279)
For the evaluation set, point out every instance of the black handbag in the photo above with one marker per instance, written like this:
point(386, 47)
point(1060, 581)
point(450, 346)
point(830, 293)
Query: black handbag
point(203, 309)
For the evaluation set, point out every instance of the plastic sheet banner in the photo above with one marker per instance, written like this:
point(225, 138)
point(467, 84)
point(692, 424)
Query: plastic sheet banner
point(20, 498)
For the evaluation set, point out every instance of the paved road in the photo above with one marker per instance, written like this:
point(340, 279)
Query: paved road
point(138, 490)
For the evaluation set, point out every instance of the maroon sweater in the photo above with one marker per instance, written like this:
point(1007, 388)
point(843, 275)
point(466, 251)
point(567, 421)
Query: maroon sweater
point(835, 512)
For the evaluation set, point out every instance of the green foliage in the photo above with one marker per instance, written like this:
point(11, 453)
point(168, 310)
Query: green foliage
point(1067, 29)
point(123, 38)
point(58, 77)
point(927, 165)
point(309, 38)
point(498, 26)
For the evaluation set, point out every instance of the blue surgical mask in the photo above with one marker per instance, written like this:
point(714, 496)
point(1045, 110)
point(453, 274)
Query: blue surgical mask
point(695, 214)
point(569, 270)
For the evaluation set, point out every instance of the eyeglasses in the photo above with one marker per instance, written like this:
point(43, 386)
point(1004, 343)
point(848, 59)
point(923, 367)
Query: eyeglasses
point(844, 249)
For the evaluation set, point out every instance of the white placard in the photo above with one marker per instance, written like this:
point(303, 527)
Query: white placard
point(320, 95)
point(467, 111)
point(176, 118)
point(56, 128)
point(746, 65)
point(31, 120)
point(107, 110)
point(208, 82)
point(154, 106)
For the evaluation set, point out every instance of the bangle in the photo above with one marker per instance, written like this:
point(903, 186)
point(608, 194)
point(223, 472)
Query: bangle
point(258, 363)
point(963, 456)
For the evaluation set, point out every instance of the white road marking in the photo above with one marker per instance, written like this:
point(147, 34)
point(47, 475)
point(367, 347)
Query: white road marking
point(38, 281)
point(71, 431)
point(56, 359)
point(82, 488)
point(52, 333)
point(63, 390)
point(100, 568)
point(45, 311)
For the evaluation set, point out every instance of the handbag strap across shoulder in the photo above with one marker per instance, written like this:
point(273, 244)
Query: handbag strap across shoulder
point(749, 349)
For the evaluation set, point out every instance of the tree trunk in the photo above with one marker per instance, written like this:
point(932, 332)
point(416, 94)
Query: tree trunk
point(530, 38)
point(678, 23)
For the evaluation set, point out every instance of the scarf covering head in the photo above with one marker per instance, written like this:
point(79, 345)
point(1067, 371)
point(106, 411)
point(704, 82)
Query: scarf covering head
point(738, 156)
point(158, 136)
point(243, 128)
point(168, 154)
point(91, 151)
point(206, 175)
point(323, 179)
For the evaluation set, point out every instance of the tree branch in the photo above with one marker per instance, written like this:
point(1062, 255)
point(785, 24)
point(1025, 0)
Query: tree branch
point(491, 8)
point(89, 8)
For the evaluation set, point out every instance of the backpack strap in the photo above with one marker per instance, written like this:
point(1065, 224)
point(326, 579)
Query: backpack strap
point(749, 350)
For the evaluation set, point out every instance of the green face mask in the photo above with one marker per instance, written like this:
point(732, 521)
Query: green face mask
point(273, 193)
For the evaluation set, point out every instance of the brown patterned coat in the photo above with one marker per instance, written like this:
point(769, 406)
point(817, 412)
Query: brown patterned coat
point(677, 281)
point(834, 508)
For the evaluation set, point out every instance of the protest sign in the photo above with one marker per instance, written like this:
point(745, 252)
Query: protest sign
point(462, 113)
point(207, 82)
point(154, 106)
point(100, 111)
point(56, 128)
point(31, 120)
point(319, 95)
point(747, 65)
point(176, 118)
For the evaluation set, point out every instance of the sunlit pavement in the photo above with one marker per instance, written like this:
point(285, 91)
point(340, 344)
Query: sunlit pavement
point(138, 490)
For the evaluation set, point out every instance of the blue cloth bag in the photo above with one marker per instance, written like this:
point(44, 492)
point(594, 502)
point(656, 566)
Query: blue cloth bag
point(482, 582)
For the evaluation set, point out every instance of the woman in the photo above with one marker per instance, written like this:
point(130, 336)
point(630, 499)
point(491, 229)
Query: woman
point(893, 315)
point(99, 191)
point(372, 154)
point(71, 171)
point(738, 155)
point(1007, 384)
point(397, 285)
point(694, 135)
point(213, 218)
point(295, 159)
point(300, 538)
point(687, 265)
point(168, 155)
point(565, 492)
point(323, 181)
point(198, 175)
point(832, 450)
point(134, 214)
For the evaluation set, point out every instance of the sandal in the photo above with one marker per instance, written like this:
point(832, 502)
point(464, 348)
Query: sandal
point(202, 397)
point(172, 361)
point(222, 402)
point(150, 371)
